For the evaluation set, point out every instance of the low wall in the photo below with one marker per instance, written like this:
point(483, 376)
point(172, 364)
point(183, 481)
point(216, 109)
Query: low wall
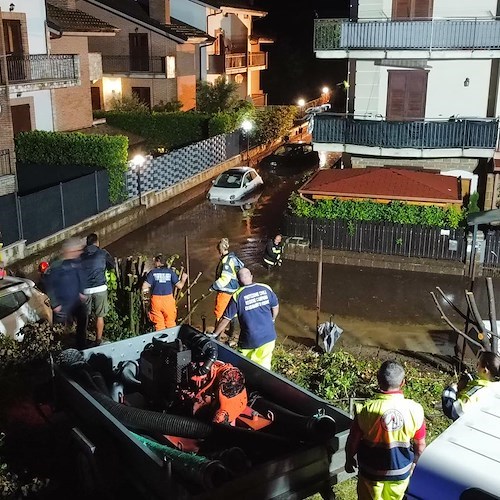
point(302, 253)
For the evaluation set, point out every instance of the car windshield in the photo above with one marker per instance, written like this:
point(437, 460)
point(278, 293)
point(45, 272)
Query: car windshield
point(11, 302)
point(284, 150)
point(229, 180)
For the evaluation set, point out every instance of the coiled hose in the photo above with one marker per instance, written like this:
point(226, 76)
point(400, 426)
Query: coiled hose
point(200, 470)
point(286, 422)
point(202, 347)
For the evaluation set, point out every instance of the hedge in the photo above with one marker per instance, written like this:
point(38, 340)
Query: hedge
point(168, 130)
point(74, 148)
point(371, 211)
point(273, 122)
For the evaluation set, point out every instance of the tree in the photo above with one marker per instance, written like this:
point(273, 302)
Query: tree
point(216, 97)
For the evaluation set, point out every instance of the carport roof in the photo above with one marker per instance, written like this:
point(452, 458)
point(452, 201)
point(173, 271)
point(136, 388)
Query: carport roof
point(384, 183)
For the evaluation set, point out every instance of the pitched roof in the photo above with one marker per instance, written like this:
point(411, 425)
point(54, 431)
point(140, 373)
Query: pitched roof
point(176, 29)
point(384, 183)
point(233, 4)
point(76, 21)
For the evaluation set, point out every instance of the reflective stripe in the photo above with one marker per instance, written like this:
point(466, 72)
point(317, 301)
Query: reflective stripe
point(387, 473)
point(95, 289)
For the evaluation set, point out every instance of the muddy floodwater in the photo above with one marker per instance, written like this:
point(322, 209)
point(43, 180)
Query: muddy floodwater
point(375, 307)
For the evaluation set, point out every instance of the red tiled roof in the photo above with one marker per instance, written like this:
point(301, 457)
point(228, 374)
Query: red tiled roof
point(384, 183)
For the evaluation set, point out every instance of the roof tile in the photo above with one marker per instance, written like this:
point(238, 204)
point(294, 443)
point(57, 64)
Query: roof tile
point(76, 21)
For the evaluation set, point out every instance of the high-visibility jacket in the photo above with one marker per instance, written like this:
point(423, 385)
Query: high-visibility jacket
point(388, 423)
point(272, 253)
point(456, 404)
point(226, 279)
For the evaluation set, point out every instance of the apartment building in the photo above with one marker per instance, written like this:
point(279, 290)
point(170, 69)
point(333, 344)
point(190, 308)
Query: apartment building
point(237, 48)
point(423, 84)
point(154, 56)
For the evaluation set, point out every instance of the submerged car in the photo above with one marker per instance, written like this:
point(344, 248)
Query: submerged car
point(292, 154)
point(21, 303)
point(234, 184)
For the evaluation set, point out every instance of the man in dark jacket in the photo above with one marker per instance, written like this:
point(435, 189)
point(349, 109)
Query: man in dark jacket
point(273, 252)
point(95, 261)
point(65, 286)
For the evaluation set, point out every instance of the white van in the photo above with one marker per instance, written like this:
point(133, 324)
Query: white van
point(463, 463)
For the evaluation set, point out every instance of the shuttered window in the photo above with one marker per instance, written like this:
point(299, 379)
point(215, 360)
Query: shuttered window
point(406, 95)
point(411, 9)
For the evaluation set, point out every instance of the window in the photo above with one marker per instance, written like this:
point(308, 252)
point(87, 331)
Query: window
point(11, 302)
point(246, 180)
point(229, 180)
point(170, 66)
point(252, 175)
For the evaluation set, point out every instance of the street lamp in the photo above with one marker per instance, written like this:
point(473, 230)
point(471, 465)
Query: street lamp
point(137, 164)
point(301, 103)
point(247, 126)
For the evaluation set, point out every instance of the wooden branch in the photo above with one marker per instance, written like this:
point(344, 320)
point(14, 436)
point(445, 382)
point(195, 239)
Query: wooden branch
point(455, 308)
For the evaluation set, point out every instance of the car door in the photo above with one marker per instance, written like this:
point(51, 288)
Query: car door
point(247, 183)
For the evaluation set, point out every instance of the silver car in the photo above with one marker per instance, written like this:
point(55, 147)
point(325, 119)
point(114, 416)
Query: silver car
point(21, 303)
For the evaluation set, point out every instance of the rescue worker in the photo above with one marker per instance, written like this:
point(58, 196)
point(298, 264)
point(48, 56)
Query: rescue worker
point(226, 280)
point(95, 262)
point(43, 269)
point(381, 436)
point(458, 398)
point(161, 281)
point(65, 283)
point(256, 307)
point(274, 252)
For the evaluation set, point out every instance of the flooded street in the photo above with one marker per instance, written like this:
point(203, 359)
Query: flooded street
point(376, 307)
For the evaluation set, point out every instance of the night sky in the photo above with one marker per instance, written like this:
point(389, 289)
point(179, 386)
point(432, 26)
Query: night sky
point(294, 72)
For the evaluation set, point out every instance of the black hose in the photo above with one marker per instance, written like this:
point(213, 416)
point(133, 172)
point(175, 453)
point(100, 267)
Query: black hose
point(128, 371)
point(202, 347)
point(152, 421)
point(287, 422)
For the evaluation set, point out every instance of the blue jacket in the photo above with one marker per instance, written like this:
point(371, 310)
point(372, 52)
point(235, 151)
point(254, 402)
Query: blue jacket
point(95, 261)
point(65, 282)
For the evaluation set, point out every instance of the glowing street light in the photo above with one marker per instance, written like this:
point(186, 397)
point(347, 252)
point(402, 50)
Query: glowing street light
point(137, 164)
point(247, 126)
point(325, 90)
point(301, 103)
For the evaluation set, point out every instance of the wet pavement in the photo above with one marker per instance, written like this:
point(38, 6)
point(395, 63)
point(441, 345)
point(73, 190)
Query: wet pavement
point(377, 307)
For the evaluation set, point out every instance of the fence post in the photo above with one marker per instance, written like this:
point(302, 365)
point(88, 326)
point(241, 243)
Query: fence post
point(62, 204)
point(96, 191)
point(20, 229)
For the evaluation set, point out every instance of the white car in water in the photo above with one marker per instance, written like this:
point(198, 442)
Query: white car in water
point(21, 303)
point(234, 184)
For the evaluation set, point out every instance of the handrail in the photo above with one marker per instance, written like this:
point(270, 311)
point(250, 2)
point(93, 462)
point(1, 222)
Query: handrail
point(42, 67)
point(130, 64)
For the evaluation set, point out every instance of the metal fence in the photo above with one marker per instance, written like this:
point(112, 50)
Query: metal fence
point(491, 264)
point(431, 34)
point(37, 215)
point(127, 64)
point(5, 162)
point(381, 237)
point(419, 134)
point(42, 67)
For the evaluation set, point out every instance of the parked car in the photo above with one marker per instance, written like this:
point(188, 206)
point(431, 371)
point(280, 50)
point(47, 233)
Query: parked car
point(234, 184)
point(292, 154)
point(21, 303)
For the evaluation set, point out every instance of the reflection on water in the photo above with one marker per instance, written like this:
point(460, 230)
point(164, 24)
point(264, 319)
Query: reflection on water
point(374, 306)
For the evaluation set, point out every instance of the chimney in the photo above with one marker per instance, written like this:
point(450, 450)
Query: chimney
point(159, 10)
point(64, 4)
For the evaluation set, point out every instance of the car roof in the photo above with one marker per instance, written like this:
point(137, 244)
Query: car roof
point(9, 281)
point(238, 170)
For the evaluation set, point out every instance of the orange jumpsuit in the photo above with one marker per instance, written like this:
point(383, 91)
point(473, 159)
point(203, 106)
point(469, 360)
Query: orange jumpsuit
point(163, 312)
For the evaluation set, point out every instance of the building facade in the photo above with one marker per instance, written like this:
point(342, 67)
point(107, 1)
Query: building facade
point(423, 83)
point(236, 51)
point(154, 56)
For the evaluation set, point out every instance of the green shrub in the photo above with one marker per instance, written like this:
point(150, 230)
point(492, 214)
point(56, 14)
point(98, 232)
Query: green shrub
point(217, 96)
point(273, 122)
point(73, 148)
point(166, 130)
point(128, 103)
point(370, 211)
point(472, 206)
point(168, 107)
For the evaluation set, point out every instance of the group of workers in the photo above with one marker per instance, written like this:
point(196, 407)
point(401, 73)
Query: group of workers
point(388, 432)
point(255, 305)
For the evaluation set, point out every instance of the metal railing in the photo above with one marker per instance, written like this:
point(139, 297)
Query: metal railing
point(128, 64)
point(432, 34)
point(236, 61)
point(257, 59)
point(42, 67)
point(417, 134)
point(5, 162)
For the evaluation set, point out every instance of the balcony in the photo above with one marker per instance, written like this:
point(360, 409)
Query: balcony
point(126, 65)
point(434, 38)
point(257, 59)
point(26, 73)
point(473, 138)
point(259, 100)
point(236, 63)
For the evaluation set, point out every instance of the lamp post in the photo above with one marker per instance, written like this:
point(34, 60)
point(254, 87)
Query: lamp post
point(247, 126)
point(301, 103)
point(137, 164)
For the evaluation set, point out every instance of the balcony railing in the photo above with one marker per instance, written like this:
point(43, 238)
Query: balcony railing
point(5, 162)
point(259, 99)
point(127, 64)
point(39, 68)
point(257, 59)
point(236, 61)
point(434, 34)
point(419, 134)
